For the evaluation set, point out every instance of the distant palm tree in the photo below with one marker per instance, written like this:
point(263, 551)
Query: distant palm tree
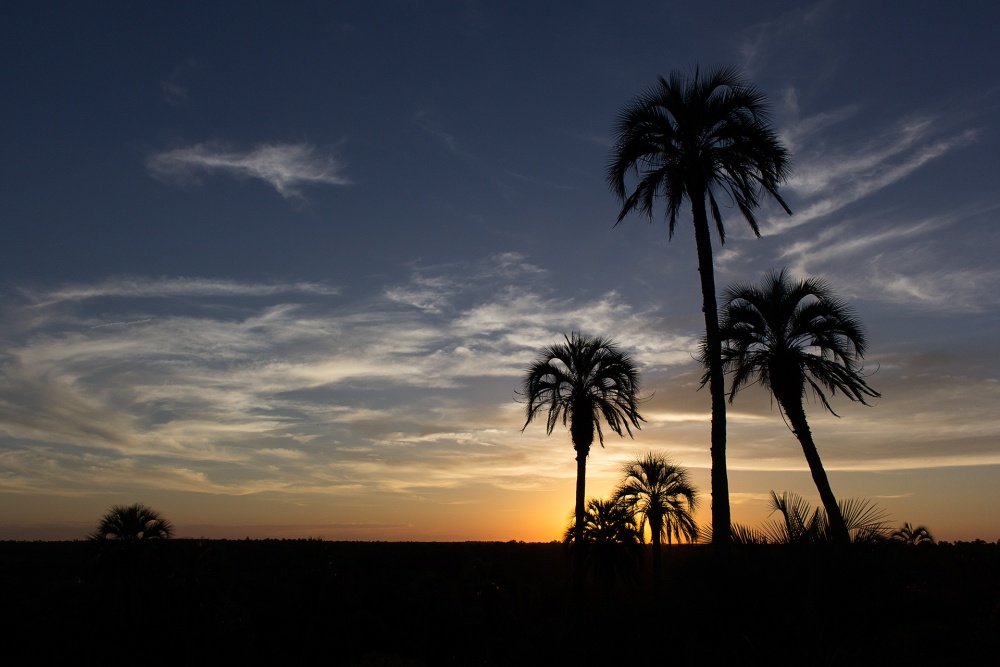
point(695, 139)
point(610, 541)
point(910, 535)
point(579, 382)
point(787, 336)
point(133, 522)
point(661, 493)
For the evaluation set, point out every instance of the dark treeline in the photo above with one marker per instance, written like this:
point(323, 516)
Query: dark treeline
point(285, 601)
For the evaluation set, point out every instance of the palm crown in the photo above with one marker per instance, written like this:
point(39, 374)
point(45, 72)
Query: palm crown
point(662, 493)
point(786, 335)
point(691, 138)
point(581, 381)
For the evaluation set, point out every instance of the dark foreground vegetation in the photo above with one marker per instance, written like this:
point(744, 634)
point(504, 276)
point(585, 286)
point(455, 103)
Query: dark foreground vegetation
point(285, 602)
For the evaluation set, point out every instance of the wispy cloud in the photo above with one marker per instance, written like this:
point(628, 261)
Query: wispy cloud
point(827, 180)
point(844, 241)
point(212, 379)
point(900, 257)
point(401, 395)
point(146, 287)
point(798, 25)
point(285, 167)
point(174, 87)
point(423, 118)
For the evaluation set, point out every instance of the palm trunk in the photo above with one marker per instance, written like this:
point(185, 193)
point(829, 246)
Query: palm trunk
point(721, 520)
point(797, 416)
point(656, 527)
point(581, 494)
point(582, 432)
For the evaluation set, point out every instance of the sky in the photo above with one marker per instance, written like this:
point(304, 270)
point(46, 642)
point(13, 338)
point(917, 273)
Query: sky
point(277, 270)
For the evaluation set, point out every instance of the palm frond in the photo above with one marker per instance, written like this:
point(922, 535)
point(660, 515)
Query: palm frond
point(866, 521)
point(747, 535)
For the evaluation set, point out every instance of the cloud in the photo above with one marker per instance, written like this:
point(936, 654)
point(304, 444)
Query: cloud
point(293, 393)
point(827, 180)
point(846, 241)
point(904, 257)
point(423, 119)
point(277, 389)
point(146, 287)
point(798, 26)
point(174, 88)
point(285, 167)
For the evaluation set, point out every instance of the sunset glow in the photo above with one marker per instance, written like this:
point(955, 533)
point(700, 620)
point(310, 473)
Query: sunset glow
point(281, 277)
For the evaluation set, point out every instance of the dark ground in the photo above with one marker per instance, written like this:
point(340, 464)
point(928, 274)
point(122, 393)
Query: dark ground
point(394, 604)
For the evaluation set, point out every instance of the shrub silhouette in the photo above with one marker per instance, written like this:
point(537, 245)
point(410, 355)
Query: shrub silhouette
point(131, 523)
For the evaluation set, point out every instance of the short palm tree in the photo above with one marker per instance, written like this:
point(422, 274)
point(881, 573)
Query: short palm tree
point(788, 336)
point(700, 139)
point(610, 541)
point(133, 522)
point(907, 534)
point(661, 493)
point(580, 383)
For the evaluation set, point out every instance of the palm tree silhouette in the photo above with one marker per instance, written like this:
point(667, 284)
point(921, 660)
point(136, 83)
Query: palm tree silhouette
point(133, 522)
point(907, 534)
point(695, 139)
point(610, 541)
point(661, 493)
point(580, 382)
point(785, 336)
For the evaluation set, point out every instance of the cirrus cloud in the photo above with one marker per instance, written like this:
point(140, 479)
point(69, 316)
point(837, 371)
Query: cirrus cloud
point(285, 167)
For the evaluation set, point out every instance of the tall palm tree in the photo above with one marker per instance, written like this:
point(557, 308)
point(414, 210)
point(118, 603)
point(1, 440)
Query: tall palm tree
point(133, 522)
point(661, 493)
point(789, 335)
point(700, 139)
point(610, 541)
point(579, 382)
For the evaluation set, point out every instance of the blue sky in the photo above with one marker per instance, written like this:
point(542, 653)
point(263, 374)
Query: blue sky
point(276, 270)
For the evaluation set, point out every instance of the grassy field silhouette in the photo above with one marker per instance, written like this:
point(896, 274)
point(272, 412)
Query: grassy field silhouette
point(186, 601)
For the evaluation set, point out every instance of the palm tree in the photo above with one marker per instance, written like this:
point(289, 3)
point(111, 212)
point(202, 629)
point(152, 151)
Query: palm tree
point(133, 522)
point(787, 336)
point(662, 494)
point(610, 541)
point(907, 534)
point(579, 382)
point(696, 139)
